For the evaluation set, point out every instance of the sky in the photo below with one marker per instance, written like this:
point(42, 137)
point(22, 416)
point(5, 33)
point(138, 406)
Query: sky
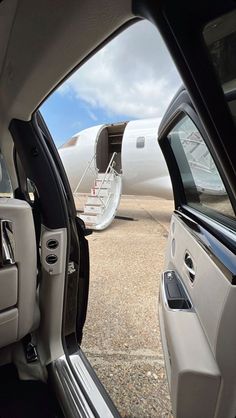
point(132, 77)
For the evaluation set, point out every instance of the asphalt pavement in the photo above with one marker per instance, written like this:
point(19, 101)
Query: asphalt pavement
point(121, 335)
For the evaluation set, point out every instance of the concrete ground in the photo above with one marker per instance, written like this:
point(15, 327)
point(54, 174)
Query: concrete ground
point(121, 336)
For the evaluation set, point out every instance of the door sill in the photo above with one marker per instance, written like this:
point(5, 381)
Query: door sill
point(79, 391)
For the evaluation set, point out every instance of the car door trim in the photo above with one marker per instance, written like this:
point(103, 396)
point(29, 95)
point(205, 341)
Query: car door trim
point(221, 255)
point(79, 391)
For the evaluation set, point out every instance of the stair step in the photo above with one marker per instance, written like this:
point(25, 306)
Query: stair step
point(94, 200)
point(100, 176)
point(105, 183)
point(97, 205)
point(93, 209)
point(89, 218)
point(89, 224)
point(102, 192)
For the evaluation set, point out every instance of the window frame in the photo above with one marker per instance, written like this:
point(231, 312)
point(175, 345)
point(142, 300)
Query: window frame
point(179, 108)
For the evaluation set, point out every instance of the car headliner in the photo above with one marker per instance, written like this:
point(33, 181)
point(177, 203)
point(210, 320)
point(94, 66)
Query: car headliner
point(41, 42)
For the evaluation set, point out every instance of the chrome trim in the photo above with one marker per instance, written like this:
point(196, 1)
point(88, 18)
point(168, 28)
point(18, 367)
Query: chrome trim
point(7, 243)
point(77, 391)
point(220, 254)
point(226, 230)
point(163, 292)
point(69, 394)
point(188, 261)
point(90, 387)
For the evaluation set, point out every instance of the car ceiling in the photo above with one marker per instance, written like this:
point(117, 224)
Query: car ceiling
point(42, 41)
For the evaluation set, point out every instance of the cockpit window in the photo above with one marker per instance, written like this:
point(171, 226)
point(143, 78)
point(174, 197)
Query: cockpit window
point(71, 143)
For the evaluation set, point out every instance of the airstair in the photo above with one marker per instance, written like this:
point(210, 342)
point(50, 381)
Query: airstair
point(101, 204)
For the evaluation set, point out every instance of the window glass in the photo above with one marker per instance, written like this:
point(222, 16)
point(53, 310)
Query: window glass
point(220, 37)
point(5, 182)
point(140, 143)
point(203, 185)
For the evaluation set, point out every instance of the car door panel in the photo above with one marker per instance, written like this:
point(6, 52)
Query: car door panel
point(193, 371)
point(209, 281)
point(213, 299)
point(191, 336)
point(197, 326)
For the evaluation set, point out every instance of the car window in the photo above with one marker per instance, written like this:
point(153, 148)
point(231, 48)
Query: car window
point(204, 188)
point(220, 37)
point(5, 182)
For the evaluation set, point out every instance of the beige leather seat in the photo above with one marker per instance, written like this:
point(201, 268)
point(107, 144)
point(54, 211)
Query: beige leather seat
point(18, 270)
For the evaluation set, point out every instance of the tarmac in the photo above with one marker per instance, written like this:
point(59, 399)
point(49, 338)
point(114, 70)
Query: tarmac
point(121, 335)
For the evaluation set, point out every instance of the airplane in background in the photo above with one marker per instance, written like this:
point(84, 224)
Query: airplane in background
point(107, 161)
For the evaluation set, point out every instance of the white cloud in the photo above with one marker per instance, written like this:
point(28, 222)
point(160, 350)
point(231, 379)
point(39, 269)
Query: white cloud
point(133, 75)
point(92, 114)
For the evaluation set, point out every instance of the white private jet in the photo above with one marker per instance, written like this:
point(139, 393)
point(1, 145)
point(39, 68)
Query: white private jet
point(115, 159)
point(106, 161)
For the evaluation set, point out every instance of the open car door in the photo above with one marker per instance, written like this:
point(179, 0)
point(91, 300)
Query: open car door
point(198, 293)
point(197, 137)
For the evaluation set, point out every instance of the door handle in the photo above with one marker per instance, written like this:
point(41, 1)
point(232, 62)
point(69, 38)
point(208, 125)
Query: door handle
point(188, 262)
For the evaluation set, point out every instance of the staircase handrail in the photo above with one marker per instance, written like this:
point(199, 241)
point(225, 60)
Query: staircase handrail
point(84, 174)
point(110, 165)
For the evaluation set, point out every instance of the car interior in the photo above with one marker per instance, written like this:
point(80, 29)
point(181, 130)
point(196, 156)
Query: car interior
point(44, 260)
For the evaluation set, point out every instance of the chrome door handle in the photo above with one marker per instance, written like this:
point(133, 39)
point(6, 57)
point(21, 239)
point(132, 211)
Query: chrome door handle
point(188, 262)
